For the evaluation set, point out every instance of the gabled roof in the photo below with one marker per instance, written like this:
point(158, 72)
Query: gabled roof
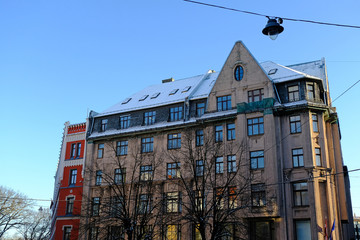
point(166, 93)
point(278, 73)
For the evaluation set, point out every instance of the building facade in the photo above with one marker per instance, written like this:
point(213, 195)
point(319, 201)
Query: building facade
point(250, 152)
point(68, 188)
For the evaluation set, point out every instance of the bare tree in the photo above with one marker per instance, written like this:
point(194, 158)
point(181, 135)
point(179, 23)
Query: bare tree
point(13, 207)
point(131, 200)
point(36, 225)
point(216, 195)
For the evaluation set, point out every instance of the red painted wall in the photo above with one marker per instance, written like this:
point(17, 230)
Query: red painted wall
point(66, 177)
point(59, 232)
point(68, 149)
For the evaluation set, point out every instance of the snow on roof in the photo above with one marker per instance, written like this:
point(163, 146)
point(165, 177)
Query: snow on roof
point(166, 93)
point(284, 74)
point(315, 68)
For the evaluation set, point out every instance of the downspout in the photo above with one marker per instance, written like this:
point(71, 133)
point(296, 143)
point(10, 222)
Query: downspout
point(283, 180)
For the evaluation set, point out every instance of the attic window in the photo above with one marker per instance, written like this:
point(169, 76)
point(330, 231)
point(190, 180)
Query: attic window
point(173, 91)
point(187, 88)
point(143, 97)
point(126, 101)
point(239, 73)
point(272, 71)
point(155, 95)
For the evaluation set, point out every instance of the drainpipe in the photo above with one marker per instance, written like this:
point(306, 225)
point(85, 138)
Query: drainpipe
point(282, 179)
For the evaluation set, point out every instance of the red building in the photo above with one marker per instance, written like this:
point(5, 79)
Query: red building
point(68, 189)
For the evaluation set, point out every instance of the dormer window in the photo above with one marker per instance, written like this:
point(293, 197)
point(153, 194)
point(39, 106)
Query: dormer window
point(155, 95)
point(187, 88)
point(143, 97)
point(104, 123)
point(272, 71)
point(293, 92)
point(126, 101)
point(173, 91)
point(239, 73)
point(310, 91)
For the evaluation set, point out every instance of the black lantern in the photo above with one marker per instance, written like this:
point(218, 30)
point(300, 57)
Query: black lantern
point(273, 28)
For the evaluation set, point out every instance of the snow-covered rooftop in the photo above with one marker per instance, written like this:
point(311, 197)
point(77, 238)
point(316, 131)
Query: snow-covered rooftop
point(166, 93)
point(200, 86)
point(278, 73)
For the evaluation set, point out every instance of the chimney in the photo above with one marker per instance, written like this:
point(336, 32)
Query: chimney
point(167, 80)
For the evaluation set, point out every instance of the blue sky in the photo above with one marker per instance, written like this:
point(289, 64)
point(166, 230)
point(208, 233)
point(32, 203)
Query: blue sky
point(60, 59)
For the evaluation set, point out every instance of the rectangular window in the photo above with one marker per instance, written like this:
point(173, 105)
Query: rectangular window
point(146, 173)
point(116, 206)
point(104, 123)
point(232, 197)
point(219, 165)
point(200, 109)
point(258, 196)
point(73, 173)
point(73, 150)
point(124, 122)
point(94, 232)
point(261, 230)
point(310, 91)
point(78, 150)
point(176, 114)
point(196, 232)
point(295, 124)
point(147, 144)
point(199, 201)
point(95, 206)
point(220, 198)
point(227, 231)
point(119, 175)
point(303, 229)
point(100, 153)
point(230, 131)
point(301, 197)
point(293, 93)
point(149, 118)
point(174, 141)
point(67, 233)
point(231, 163)
point(173, 202)
point(315, 124)
point(144, 203)
point(318, 157)
point(172, 232)
point(298, 157)
point(255, 95)
point(199, 168)
point(70, 205)
point(121, 148)
point(199, 137)
point(224, 103)
point(98, 178)
point(255, 126)
point(115, 233)
point(257, 159)
point(173, 170)
point(218, 133)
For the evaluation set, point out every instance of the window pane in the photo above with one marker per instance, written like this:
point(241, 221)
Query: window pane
point(303, 231)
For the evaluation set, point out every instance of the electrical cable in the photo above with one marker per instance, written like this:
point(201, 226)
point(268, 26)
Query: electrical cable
point(284, 18)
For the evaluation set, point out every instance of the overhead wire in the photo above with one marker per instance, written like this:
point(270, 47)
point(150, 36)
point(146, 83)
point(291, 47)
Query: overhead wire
point(263, 15)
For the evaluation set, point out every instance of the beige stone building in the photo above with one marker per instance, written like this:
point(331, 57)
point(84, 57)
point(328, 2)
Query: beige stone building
point(250, 152)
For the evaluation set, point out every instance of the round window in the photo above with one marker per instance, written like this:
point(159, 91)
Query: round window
point(239, 73)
